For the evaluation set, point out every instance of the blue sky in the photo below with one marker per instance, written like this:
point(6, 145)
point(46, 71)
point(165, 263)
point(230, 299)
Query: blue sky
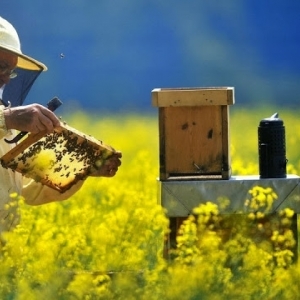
point(116, 52)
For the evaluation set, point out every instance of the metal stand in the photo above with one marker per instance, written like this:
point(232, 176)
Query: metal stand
point(181, 197)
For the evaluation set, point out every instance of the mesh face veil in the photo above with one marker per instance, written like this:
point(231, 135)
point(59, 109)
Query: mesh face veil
point(27, 69)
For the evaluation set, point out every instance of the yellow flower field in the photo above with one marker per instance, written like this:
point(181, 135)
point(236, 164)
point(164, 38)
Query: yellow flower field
point(106, 242)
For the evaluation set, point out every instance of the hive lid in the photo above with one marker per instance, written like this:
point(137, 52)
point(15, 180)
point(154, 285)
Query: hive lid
point(59, 159)
point(164, 97)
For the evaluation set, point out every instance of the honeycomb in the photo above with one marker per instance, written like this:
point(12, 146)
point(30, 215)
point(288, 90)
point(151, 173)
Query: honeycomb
point(59, 159)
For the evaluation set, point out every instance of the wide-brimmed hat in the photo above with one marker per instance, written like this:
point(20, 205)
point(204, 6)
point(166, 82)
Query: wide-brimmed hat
point(9, 41)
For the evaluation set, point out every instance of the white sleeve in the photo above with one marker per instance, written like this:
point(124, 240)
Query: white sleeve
point(36, 193)
point(3, 129)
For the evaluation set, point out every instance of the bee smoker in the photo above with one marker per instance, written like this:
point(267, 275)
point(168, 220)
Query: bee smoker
point(271, 147)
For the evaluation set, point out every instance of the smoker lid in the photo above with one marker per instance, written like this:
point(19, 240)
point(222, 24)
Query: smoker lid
point(274, 120)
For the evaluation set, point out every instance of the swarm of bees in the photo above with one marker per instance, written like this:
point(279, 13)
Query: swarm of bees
point(59, 159)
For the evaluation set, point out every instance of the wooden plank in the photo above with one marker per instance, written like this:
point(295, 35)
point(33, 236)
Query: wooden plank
point(162, 144)
point(226, 164)
point(22, 146)
point(193, 140)
point(170, 241)
point(163, 97)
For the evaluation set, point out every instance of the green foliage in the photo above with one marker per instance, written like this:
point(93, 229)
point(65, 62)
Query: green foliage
point(106, 242)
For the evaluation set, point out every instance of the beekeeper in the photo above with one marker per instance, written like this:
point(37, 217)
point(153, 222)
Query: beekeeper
point(30, 118)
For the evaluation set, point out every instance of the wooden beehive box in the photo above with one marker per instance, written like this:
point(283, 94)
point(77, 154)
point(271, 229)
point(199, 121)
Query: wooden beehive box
point(59, 159)
point(194, 132)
